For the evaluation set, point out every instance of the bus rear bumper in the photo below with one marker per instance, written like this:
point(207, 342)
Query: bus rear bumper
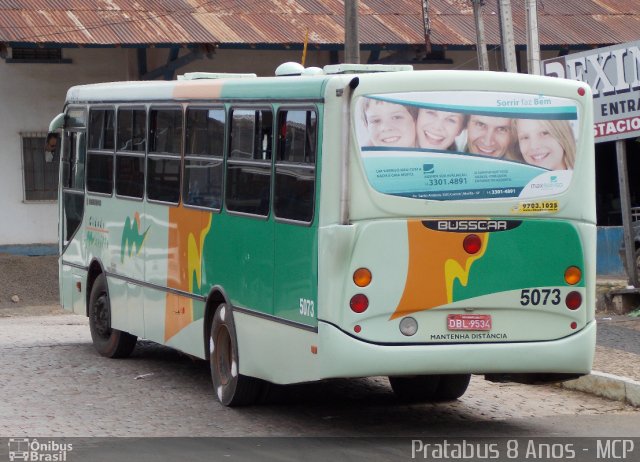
point(342, 355)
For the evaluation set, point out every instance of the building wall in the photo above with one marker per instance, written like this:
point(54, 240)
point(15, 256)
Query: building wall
point(32, 94)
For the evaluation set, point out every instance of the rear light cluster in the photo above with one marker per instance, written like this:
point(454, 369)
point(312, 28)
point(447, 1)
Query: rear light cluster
point(572, 276)
point(359, 302)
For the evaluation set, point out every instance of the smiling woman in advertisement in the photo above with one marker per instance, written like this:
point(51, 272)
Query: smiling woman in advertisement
point(548, 144)
point(439, 129)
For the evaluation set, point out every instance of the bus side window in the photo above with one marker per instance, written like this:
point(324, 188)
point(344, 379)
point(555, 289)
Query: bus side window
point(132, 130)
point(100, 154)
point(264, 127)
point(248, 186)
point(165, 148)
point(295, 165)
point(73, 181)
point(205, 130)
point(132, 136)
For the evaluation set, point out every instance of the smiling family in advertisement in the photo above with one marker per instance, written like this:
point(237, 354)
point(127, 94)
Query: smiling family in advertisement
point(467, 145)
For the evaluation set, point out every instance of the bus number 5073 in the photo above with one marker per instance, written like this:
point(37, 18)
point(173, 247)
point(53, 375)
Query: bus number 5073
point(540, 297)
point(306, 307)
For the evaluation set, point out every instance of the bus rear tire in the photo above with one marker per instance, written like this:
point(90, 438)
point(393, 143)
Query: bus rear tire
point(452, 386)
point(231, 387)
point(415, 389)
point(111, 343)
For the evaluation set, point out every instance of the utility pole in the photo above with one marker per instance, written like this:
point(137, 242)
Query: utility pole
point(533, 42)
point(427, 27)
point(351, 39)
point(481, 45)
point(625, 209)
point(506, 36)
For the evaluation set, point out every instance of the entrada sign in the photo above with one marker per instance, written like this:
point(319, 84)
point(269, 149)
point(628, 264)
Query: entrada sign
point(613, 75)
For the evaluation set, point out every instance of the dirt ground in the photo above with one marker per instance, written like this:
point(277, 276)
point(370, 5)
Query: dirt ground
point(33, 279)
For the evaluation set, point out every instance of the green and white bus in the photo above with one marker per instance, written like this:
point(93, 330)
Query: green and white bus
point(350, 221)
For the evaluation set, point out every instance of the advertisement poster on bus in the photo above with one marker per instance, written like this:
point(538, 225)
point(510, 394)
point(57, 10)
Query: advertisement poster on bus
point(467, 145)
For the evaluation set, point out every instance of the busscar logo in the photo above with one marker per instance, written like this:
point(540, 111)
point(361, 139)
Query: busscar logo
point(33, 450)
point(464, 226)
point(132, 240)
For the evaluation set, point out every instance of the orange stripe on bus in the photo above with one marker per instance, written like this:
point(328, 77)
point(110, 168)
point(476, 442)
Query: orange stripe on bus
point(436, 260)
point(187, 230)
point(198, 89)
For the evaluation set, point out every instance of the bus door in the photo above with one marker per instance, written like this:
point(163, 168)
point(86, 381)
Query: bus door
point(293, 208)
point(73, 157)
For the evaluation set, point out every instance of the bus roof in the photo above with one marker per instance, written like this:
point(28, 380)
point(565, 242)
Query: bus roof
point(292, 82)
point(294, 87)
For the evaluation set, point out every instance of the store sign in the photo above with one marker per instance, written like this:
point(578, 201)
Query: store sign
point(613, 75)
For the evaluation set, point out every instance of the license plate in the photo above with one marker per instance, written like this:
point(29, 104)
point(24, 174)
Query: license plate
point(469, 322)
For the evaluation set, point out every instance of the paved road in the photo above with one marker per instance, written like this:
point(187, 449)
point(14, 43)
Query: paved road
point(53, 383)
point(620, 332)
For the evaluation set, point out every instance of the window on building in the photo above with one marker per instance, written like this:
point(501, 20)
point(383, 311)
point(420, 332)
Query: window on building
point(295, 165)
point(32, 55)
point(203, 167)
point(40, 171)
point(249, 161)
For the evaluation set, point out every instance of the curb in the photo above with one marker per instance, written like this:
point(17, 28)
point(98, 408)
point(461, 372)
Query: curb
point(608, 386)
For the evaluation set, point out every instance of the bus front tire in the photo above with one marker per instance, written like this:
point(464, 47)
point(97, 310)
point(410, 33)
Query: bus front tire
point(111, 343)
point(231, 387)
point(415, 389)
point(452, 387)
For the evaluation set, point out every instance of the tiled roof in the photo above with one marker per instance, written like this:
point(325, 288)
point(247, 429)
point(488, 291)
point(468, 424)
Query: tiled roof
point(285, 22)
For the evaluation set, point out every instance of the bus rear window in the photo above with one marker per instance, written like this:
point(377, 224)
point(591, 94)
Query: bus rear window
point(467, 145)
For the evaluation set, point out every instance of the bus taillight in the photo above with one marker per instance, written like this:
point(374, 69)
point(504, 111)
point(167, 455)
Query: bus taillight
point(572, 275)
point(359, 303)
point(472, 244)
point(362, 277)
point(574, 300)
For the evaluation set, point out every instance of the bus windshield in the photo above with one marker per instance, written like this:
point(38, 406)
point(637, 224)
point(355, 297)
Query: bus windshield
point(446, 145)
